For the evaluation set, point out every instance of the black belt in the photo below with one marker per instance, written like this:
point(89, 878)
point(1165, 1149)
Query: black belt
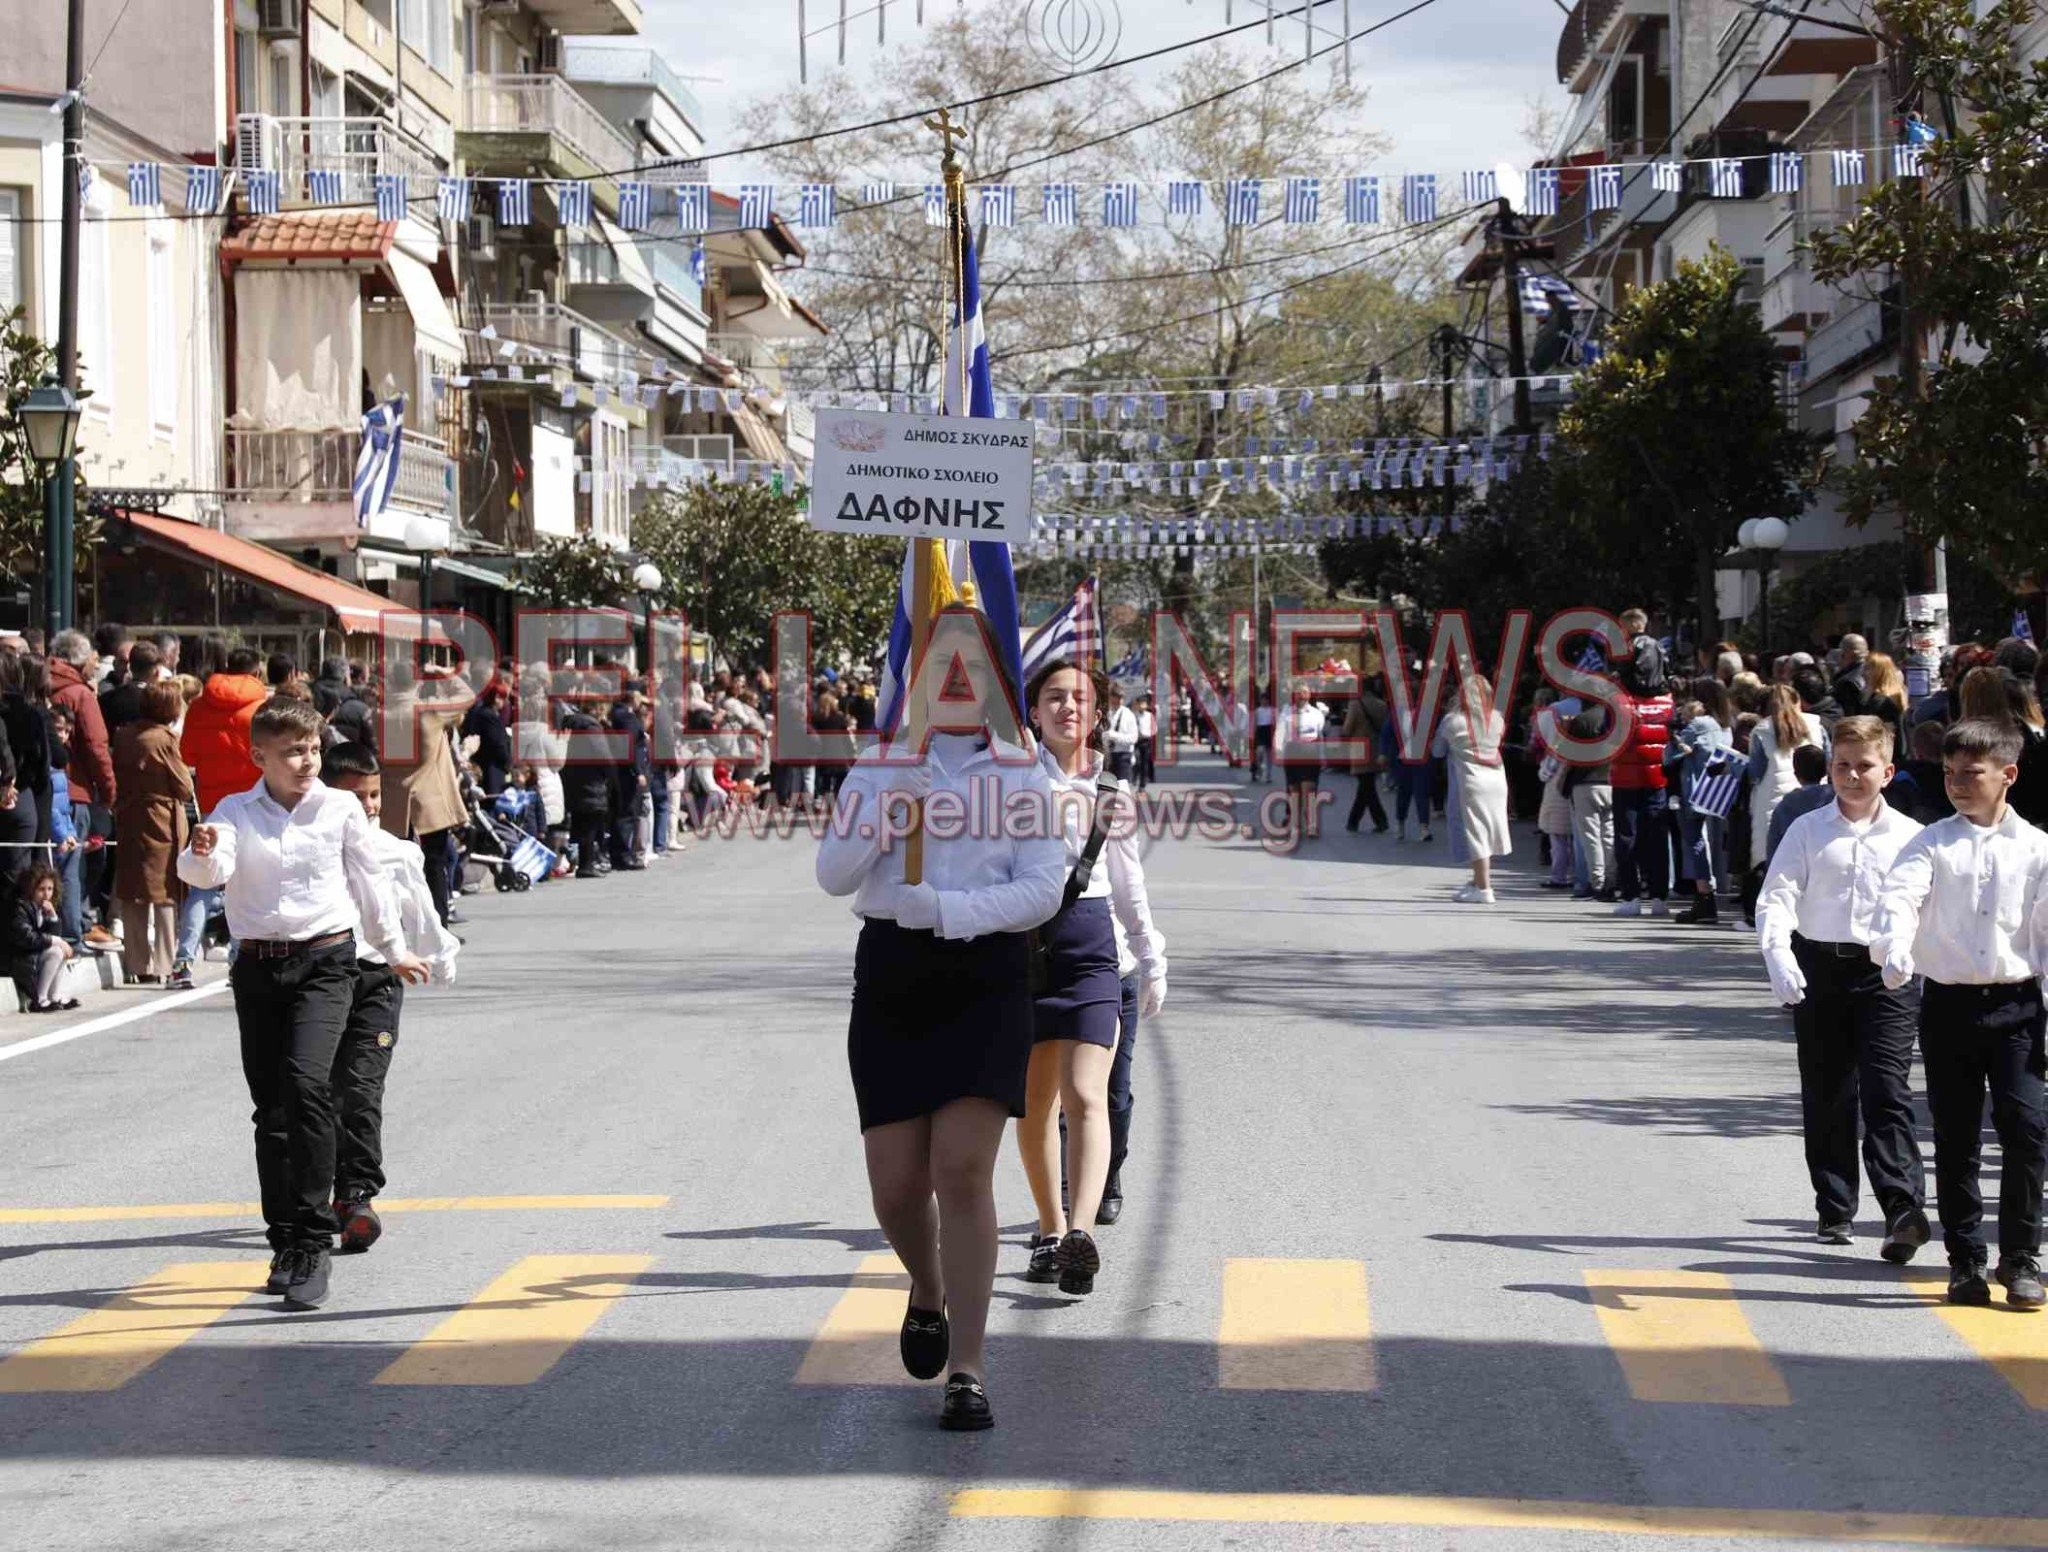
point(1834, 950)
point(284, 948)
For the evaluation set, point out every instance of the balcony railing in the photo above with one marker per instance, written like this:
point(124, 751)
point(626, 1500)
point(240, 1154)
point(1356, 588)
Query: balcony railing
point(600, 65)
point(358, 149)
point(591, 349)
point(309, 467)
point(1858, 329)
point(545, 104)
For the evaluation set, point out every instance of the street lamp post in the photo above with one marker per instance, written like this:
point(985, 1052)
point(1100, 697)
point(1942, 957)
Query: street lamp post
point(1765, 536)
point(49, 416)
point(425, 538)
point(647, 578)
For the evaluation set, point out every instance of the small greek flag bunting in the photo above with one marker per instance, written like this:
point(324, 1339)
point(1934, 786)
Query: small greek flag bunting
point(572, 204)
point(877, 193)
point(323, 185)
point(998, 204)
point(1362, 200)
point(1418, 197)
point(393, 195)
point(145, 183)
point(1241, 201)
point(1907, 160)
point(1304, 201)
point(817, 204)
point(636, 204)
point(1724, 178)
point(1120, 204)
point(265, 190)
point(515, 202)
point(1788, 172)
point(1539, 196)
point(1481, 188)
point(693, 207)
point(451, 197)
point(1184, 197)
point(757, 205)
point(934, 204)
point(1061, 205)
point(1848, 168)
point(1667, 177)
point(202, 190)
point(1603, 188)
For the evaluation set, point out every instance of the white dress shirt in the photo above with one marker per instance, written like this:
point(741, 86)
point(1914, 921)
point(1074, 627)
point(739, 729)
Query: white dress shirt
point(287, 871)
point(1969, 899)
point(1148, 725)
point(1301, 725)
point(991, 877)
point(1827, 877)
point(1120, 732)
point(1140, 945)
point(402, 879)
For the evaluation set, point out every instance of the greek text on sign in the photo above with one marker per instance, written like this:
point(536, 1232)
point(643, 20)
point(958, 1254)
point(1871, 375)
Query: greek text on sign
point(921, 476)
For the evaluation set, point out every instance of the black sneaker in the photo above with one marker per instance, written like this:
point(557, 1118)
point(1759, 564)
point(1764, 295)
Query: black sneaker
point(965, 1409)
point(1079, 1261)
point(1906, 1233)
point(924, 1342)
point(1966, 1284)
point(1839, 1232)
point(1111, 1207)
point(280, 1273)
point(360, 1226)
point(1704, 911)
point(308, 1286)
point(2022, 1278)
point(1045, 1260)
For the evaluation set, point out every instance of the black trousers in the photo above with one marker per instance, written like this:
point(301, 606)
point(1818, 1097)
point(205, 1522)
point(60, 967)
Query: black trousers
point(1120, 1075)
point(1642, 842)
point(591, 831)
point(437, 849)
point(292, 1011)
point(1367, 800)
point(1145, 771)
point(1856, 1064)
point(361, 1062)
point(1974, 1038)
point(1122, 762)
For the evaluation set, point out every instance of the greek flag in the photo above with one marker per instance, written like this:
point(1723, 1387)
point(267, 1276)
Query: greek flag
point(877, 193)
point(1713, 788)
point(145, 183)
point(1907, 160)
point(572, 204)
point(202, 190)
point(1074, 634)
point(1304, 201)
point(1481, 187)
point(998, 204)
point(934, 204)
point(323, 185)
point(817, 204)
point(393, 195)
point(697, 263)
point(515, 202)
point(757, 205)
point(265, 190)
point(1241, 201)
point(2022, 627)
point(1418, 197)
point(1603, 188)
point(452, 198)
point(1788, 172)
point(636, 204)
point(1724, 178)
point(377, 464)
point(1120, 204)
point(1848, 167)
point(1667, 177)
point(1539, 196)
point(693, 207)
point(1362, 200)
point(1184, 197)
point(1061, 207)
point(995, 584)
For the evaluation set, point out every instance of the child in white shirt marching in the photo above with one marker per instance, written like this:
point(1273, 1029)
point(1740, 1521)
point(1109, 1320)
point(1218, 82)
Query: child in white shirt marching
point(363, 1060)
point(1966, 907)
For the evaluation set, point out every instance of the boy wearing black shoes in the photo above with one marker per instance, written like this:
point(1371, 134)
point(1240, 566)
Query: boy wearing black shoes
point(284, 852)
point(371, 1037)
point(1966, 906)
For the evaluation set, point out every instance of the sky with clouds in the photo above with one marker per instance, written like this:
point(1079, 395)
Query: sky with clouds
point(1448, 84)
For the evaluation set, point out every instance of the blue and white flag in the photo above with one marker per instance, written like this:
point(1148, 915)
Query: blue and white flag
point(515, 202)
point(1667, 177)
point(636, 204)
point(1724, 177)
point(394, 194)
point(323, 185)
point(1362, 199)
point(1481, 187)
point(1074, 634)
point(1788, 172)
point(1849, 168)
point(377, 463)
point(451, 198)
point(265, 190)
point(145, 183)
point(1539, 191)
point(202, 190)
point(2022, 627)
point(1131, 665)
point(877, 193)
point(1304, 201)
point(1603, 188)
point(1120, 204)
point(1713, 788)
point(998, 204)
point(1184, 197)
point(934, 204)
point(1418, 197)
point(697, 266)
point(1908, 160)
point(1061, 207)
point(693, 207)
point(1241, 201)
point(817, 204)
point(572, 205)
point(757, 205)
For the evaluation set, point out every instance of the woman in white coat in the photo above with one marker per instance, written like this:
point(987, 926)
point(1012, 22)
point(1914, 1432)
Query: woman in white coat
point(1471, 737)
point(1771, 744)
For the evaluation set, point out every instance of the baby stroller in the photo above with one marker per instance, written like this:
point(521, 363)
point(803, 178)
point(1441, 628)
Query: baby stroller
point(514, 859)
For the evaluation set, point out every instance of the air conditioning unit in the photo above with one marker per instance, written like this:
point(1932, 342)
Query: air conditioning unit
point(255, 138)
point(277, 18)
point(480, 237)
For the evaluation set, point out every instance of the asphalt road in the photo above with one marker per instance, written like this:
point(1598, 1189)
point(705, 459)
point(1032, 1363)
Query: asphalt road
point(1448, 1227)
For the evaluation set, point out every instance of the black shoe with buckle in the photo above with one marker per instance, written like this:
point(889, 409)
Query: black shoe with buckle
point(965, 1409)
point(307, 1288)
point(360, 1225)
point(280, 1273)
point(925, 1342)
point(1045, 1260)
point(1079, 1261)
point(1906, 1233)
point(2021, 1276)
point(1966, 1284)
point(1111, 1206)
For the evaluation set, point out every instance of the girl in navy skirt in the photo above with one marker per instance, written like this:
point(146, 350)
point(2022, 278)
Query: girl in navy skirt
point(942, 1024)
point(1080, 997)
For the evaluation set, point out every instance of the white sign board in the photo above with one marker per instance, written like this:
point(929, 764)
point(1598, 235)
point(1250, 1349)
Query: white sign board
point(921, 476)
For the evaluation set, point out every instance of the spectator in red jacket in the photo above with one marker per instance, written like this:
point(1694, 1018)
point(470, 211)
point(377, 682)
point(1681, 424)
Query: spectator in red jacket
point(92, 765)
point(216, 739)
point(1642, 848)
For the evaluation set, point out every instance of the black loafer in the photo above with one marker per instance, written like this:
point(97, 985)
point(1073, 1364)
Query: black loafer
point(1966, 1284)
point(1079, 1262)
point(925, 1342)
point(1111, 1207)
point(2021, 1276)
point(1905, 1234)
point(965, 1409)
point(1843, 1233)
point(1045, 1260)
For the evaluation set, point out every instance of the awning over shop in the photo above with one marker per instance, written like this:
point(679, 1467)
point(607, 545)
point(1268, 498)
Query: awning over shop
point(760, 438)
point(354, 608)
point(433, 324)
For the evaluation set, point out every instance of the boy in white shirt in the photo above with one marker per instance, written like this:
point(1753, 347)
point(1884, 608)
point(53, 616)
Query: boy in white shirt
point(1966, 906)
point(363, 1061)
point(1855, 1034)
point(1120, 736)
point(284, 853)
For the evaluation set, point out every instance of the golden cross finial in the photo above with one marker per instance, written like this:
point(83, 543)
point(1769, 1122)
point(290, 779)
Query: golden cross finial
point(948, 132)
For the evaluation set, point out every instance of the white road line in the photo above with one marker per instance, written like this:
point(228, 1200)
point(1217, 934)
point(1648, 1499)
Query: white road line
point(111, 1020)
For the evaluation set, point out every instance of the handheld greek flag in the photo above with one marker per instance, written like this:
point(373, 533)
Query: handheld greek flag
point(1074, 633)
point(1849, 168)
point(572, 204)
point(145, 183)
point(1788, 172)
point(1713, 788)
point(1362, 200)
point(1481, 187)
point(757, 205)
point(1603, 188)
point(636, 204)
point(2022, 627)
point(451, 198)
point(1120, 204)
point(1724, 177)
point(1131, 665)
point(1061, 207)
point(265, 190)
point(1304, 201)
point(1241, 201)
point(1184, 197)
point(998, 204)
point(1539, 191)
point(377, 463)
point(877, 193)
point(1667, 177)
point(394, 193)
point(202, 190)
point(1418, 197)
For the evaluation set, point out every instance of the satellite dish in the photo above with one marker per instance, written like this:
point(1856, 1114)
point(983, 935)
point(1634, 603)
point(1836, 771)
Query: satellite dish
point(1512, 183)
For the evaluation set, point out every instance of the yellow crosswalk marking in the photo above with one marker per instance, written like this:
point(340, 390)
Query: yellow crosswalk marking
point(1294, 1325)
point(519, 1327)
point(385, 1204)
point(857, 1345)
point(109, 1347)
point(2014, 1342)
point(1682, 1336)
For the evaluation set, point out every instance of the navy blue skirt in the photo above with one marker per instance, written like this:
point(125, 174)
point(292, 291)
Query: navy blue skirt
point(1082, 992)
point(935, 1020)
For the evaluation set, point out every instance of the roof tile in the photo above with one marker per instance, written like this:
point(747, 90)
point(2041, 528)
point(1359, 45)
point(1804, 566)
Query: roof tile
point(324, 236)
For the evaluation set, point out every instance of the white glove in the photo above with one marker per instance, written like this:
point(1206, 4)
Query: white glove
point(916, 906)
point(1898, 966)
point(1152, 997)
point(1788, 981)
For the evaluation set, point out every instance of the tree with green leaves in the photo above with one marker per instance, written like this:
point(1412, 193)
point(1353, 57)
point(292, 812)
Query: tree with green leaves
point(1959, 446)
point(582, 572)
point(25, 361)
